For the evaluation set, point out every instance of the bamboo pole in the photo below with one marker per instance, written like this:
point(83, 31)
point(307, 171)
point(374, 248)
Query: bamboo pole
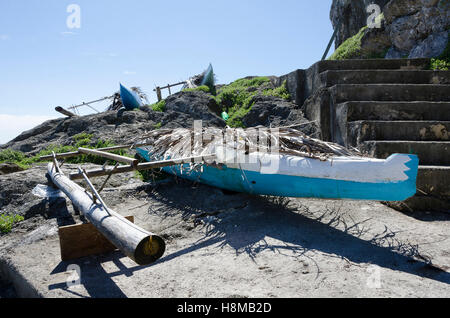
point(140, 167)
point(141, 246)
point(93, 102)
point(107, 155)
point(77, 153)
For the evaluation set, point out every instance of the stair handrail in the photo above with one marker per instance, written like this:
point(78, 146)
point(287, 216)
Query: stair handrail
point(333, 37)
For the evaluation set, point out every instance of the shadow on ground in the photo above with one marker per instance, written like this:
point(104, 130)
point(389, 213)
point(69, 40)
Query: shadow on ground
point(250, 222)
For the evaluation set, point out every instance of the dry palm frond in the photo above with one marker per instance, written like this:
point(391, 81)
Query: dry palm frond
point(182, 143)
point(140, 93)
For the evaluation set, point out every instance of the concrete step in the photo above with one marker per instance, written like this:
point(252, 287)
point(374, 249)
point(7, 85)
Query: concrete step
point(360, 131)
point(330, 78)
point(390, 92)
point(353, 111)
point(431, 153)
point(373, 64)
point(434, 180)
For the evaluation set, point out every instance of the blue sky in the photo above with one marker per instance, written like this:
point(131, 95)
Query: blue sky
point(141, 43)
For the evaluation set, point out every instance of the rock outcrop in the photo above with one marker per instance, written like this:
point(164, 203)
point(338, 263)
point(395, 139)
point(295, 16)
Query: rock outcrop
point(410, 28)
point(182, 109)
point(352, 15)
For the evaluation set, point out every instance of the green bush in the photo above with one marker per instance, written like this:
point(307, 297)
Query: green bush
point(237, 98)
point(281, 92)
point(81, 140)
point(203, 88)
point(159, 106)
point(442, 62)
point(13, 156)
point(7, 222)
point(439, 65)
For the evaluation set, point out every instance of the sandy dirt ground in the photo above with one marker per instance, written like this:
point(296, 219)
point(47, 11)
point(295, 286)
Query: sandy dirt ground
point(236, 245)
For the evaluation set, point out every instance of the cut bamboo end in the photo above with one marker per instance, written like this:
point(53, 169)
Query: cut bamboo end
point(149, 250)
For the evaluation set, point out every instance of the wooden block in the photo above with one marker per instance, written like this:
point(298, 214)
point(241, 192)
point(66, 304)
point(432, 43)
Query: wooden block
point(83, 240)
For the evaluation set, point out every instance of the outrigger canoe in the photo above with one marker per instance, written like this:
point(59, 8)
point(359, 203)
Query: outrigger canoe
point(338, 177)
point(130, 99)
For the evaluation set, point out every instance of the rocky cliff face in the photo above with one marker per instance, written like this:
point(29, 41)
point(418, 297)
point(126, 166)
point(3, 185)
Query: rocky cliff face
point(352, 15)
point(410, 28)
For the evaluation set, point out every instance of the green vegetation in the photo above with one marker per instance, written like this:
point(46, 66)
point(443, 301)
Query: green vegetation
point(80, 140)
point(13, 156)
point(237, 98)
point(159, 106)
point(7, 222)
point(203, 88)
point(442, 63)
point(351, 48)
point(281, 92)
point(158, 126)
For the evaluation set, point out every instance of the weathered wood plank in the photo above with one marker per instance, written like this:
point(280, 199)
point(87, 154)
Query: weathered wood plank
point(83, 240)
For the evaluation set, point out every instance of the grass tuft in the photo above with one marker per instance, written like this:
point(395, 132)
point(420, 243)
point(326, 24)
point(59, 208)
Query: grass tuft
point(7, 222)
point(159, 106)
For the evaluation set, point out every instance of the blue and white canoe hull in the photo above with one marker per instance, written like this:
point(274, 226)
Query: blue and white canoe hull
point(393, 179)
point(130, 99)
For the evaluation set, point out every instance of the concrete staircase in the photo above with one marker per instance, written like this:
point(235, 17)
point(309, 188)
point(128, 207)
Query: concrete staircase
point(384, 107)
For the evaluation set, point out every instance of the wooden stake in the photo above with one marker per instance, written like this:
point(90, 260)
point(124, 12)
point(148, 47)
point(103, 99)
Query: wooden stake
point(158, 94)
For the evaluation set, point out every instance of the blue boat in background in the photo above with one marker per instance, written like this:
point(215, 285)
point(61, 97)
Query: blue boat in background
point(208, 77)
point(130, 99)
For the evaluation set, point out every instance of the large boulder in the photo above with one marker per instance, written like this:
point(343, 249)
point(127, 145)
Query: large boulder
point(7, 168)
point(417, 28)
point(270, 111)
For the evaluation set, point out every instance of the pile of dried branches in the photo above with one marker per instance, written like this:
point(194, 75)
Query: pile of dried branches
point(183, 143)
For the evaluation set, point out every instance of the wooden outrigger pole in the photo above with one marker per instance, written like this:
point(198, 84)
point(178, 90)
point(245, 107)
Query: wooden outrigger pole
point(140, 245)
point(65, 112)
point(140, 167)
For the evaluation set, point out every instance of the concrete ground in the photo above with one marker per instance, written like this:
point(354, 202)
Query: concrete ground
point(224, 245)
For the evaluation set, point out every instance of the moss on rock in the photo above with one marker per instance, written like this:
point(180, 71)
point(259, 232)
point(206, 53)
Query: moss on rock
point(351, 48)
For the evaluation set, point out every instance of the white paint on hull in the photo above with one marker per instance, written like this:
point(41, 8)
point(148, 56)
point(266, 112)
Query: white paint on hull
point(337, 168)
